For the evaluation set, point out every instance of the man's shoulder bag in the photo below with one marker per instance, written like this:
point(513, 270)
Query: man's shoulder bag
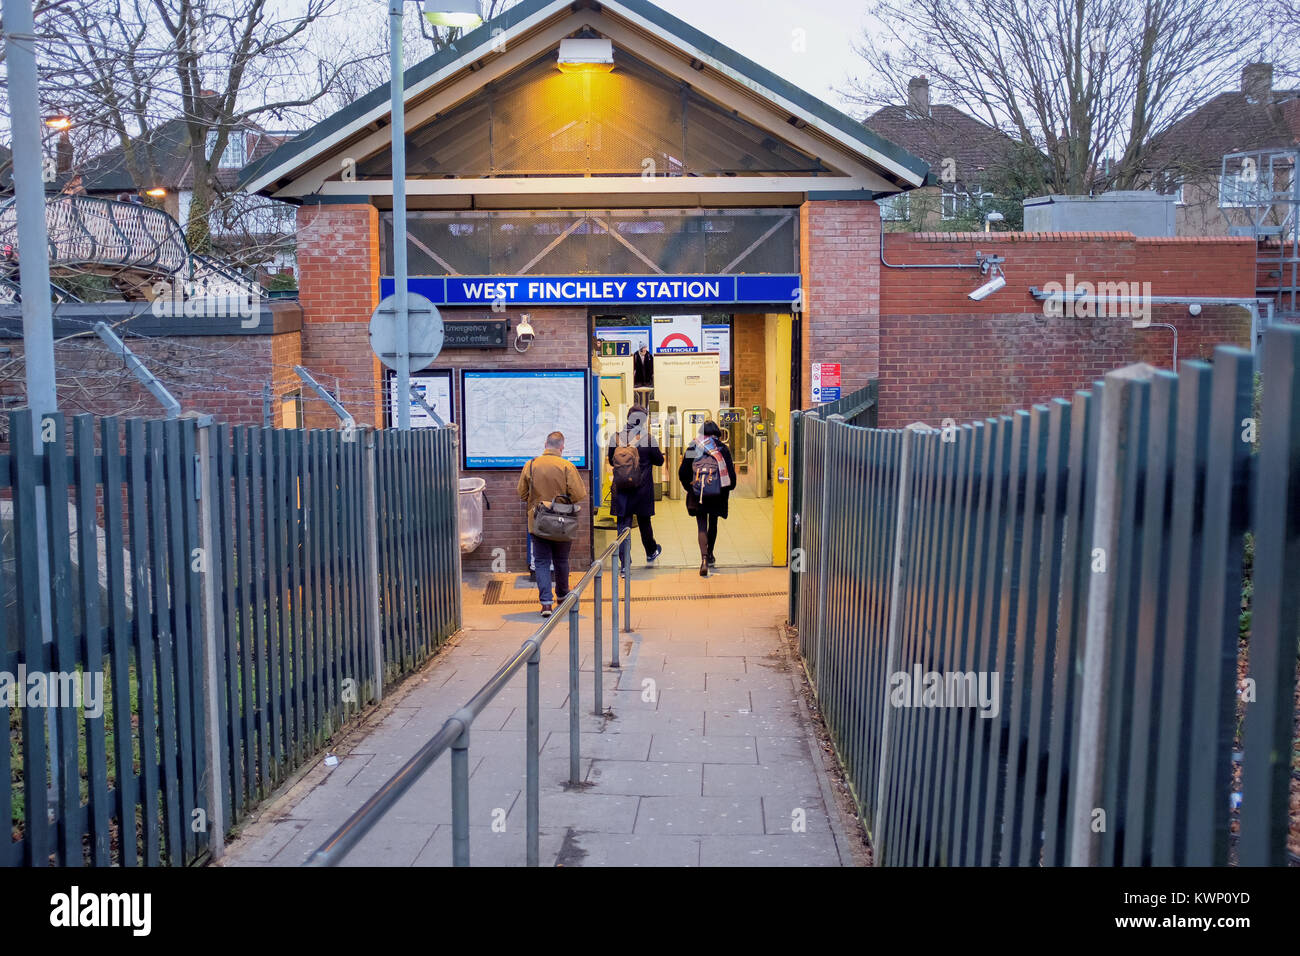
point(555, 520)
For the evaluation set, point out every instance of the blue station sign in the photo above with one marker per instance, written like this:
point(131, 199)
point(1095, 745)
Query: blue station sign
point(600, 290)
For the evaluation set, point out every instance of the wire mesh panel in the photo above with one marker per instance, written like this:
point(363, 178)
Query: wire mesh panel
point(599, 242)
point(633, 121)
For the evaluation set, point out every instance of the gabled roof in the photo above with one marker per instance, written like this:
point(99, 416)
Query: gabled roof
point(1231, 122)
point(166, 149)
point(803, 111)
point(946, 132)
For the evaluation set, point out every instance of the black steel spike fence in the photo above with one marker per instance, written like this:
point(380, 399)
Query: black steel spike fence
point(1029, 635)
point(221, 602)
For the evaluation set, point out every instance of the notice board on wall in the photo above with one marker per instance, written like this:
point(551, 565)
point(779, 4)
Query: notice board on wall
point(435, 387)
point(508, 413)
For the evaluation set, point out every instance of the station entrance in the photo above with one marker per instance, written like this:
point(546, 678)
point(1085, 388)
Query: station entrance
point(687, 367)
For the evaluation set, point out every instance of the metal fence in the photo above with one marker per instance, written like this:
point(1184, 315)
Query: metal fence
point(1027, 634)
point(859, 407)
point(237, 591)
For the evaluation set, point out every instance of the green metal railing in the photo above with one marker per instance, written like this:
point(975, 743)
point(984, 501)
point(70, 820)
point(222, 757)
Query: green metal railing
point(454, 735)
point(1024, 633)
point(242, 592)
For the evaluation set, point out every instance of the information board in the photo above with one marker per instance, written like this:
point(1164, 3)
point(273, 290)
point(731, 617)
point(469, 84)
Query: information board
point(434, 387)
point(717, 338)
point(635, 335)
point(674, 334)
point(825, 382)
point(507, 415)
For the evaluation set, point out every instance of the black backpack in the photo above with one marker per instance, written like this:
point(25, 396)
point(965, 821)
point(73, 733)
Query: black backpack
point(706, 479)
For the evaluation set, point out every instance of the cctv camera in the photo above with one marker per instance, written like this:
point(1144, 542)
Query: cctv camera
point(988, 288)
point(524, 334)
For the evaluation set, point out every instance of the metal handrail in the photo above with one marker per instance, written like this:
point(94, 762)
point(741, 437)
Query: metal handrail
point(454, 733)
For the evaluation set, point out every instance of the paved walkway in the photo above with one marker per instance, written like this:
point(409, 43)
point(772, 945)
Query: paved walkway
point(707, 759)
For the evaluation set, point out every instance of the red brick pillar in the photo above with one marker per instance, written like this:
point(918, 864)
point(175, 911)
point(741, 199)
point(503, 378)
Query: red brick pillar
point(338, 287)
point(839, 261)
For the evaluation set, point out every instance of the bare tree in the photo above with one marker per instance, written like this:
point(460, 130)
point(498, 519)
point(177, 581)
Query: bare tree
point(367, 68)
point(1089, 81)
point(129, 66)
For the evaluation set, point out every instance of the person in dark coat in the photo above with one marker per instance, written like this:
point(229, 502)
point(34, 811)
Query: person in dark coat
point(643, 369)
point(640, 503)
point(713, 507)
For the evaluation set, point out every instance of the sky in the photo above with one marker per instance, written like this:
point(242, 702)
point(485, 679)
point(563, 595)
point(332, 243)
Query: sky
point(766, 33)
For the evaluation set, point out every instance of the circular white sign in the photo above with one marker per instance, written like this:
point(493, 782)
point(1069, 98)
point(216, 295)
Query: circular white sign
point(425, 341)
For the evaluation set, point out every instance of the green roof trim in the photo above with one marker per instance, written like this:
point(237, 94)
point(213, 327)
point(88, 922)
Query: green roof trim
point(669, 24)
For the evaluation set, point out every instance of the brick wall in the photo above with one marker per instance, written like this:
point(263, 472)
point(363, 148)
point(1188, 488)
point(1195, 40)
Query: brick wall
point(220, 375)
point(749, 353)
point(839, 261)
point(338, 287)
point(945, 356)
point(561, 342)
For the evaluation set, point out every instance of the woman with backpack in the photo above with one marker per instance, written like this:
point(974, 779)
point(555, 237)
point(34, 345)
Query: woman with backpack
point(633, 456)
point(708, 475)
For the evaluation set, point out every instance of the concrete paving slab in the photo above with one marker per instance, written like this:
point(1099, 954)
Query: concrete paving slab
point(808, 849)
point(797, 816)
point(493, 847)
point(609, 745)
point(583, 848)
point(698, 748)
point(585, 809)
point(714, 769)
point(646, 778)
point(798, 780)
point(700, 815)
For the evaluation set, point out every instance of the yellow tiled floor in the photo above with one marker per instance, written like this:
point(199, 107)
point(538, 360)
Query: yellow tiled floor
point(744, 537)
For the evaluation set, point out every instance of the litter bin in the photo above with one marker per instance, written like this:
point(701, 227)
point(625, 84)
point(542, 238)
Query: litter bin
point(472, 503)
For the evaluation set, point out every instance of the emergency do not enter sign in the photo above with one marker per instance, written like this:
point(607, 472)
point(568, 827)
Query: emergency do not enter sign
point(825, 381)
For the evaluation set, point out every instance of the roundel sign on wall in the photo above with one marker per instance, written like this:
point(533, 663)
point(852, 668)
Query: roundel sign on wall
point(676, 333)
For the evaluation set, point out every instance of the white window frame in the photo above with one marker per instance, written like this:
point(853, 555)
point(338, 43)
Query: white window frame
point(953, 203)
point(237, 136)
point(1240, 192)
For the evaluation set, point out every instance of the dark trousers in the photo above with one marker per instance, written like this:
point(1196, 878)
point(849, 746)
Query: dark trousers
point(545, 552)
point(707, 522)
point(647, 536)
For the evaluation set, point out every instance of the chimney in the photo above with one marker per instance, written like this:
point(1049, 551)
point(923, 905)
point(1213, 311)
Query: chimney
point(1257, 81)
point(63, 154)
point(918, 95)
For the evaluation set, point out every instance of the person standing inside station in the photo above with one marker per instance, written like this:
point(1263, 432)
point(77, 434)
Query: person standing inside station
point(544, 479)
point(708, 474)
point(633, 455)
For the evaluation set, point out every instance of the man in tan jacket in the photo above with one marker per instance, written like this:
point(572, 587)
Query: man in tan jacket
point(546, 476)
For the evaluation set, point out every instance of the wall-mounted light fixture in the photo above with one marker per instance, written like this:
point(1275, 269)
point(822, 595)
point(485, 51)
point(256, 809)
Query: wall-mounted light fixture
point(157, 192)
point(586, 55)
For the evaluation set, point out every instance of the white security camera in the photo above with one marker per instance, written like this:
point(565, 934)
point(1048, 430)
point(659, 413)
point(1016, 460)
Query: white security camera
point(524, 334)
point(988, 288)
point(990, 266)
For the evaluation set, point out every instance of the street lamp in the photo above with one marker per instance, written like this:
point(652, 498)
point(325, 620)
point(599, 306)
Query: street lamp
point(156, 192)
point(60, 122)
point(453, 13)
point(450, 13)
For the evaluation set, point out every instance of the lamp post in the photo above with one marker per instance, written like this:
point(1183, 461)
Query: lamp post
point(448, 13)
